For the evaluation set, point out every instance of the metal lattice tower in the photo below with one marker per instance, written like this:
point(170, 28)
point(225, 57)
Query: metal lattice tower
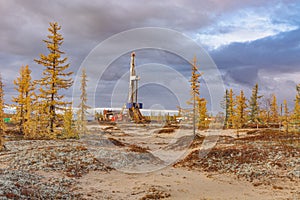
point(132, 105)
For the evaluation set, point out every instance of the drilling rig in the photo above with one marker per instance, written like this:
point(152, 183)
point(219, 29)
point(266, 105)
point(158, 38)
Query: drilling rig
point(132, 104)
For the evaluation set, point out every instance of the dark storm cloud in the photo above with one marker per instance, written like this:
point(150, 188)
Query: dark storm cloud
point(87, 23)
point(23, 23)
point(242, 61)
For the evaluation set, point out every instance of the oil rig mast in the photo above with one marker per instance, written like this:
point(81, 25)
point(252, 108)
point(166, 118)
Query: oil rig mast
point(132, 105)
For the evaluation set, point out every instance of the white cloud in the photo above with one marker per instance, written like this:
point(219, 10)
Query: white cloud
point(244, 26)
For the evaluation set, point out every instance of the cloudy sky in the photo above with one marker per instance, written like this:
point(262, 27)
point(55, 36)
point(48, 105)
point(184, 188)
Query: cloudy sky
point(250, 41)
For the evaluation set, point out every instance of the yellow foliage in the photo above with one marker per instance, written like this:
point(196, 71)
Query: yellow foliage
point(2, 124)
point(195, 84)
point(82, 112)
point(68, 130)
point(36, 128)
point(240, 117)
point(203, 117)
point(24, 100)
point(195, 93)
point(254, 105)
point(286, 119)
point(54, 79)
point(231, 110)
point(296, 115)
point(274, 110)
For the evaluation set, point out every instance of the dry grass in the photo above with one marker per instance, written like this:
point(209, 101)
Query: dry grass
point(257, 149)
point(81, 148)
point(2, 141)
point(186, 141)
point(165, 130)
point(275, 136)
point(138, 149)
point(155, 192)
point(116, 142)
point(171, 126)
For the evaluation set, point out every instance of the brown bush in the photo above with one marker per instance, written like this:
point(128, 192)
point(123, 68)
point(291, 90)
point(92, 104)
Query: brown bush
point(81, 148)
point(116, 142)
point(1, 143)
point(135, 148)
point(171, 126)
point(165, 130)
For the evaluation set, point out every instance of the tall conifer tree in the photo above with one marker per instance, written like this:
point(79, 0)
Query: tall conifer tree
point(68, 130)
point(286, 115)
point(274, 110)
point(231, 110)
point(2, 124)
point(240, 110)
point(254, 105)
point(195, 90)
point(202, 110)
point(225, 106)
point(82, 112)
point(296, 114)
point(55, 77)
point(24, 100)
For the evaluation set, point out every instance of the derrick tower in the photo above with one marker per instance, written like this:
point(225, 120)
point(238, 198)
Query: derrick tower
point(132, 104)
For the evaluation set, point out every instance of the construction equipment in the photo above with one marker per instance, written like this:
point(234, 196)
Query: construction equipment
point(132, 105)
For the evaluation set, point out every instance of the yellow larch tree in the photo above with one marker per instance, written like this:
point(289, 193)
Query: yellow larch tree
point(296, 114)
point(82, 111)
point(225, 106)
point(231, 110)
point(195, 90)
point(274, 116)
point(25, 88)
point(2, 124)
point(195, 83)
point(254, 105)
point(68, 130)
point(36, 128)
point(285, 116)
point(241, 107)
point(203, 117)
point(264, 116)
point(55, 78)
